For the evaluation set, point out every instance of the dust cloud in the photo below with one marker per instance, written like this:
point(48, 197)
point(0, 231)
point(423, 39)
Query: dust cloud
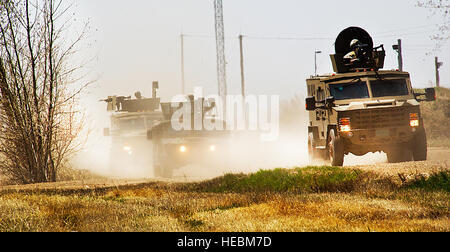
point(132, 158)
point(246, 153)
point(101, 157)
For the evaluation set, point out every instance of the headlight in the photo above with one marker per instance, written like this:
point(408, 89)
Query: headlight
point(183, 149)
point(344, 125)
point(128, 150)
point(414, 120)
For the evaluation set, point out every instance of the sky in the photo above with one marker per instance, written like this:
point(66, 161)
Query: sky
point(133, 43)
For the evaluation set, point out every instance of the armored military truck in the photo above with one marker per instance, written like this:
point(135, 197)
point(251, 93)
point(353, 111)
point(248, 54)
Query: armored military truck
point(130, 120)
point(361, 108)
point(174, 148)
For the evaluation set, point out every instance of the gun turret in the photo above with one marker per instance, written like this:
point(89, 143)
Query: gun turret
point(140, 104)
point(198, 108)
point(355, 51)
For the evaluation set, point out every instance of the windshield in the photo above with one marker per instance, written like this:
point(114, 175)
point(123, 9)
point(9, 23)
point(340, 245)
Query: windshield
point(389, 87)
point(132, 124)
point(351, 90)
point(151, 122)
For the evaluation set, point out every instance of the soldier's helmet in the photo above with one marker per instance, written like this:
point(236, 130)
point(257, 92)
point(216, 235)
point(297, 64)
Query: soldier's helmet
point(354, 43)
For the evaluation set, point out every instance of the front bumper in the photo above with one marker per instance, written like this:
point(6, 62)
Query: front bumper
point(384, 136)
point(183, 154)
point(360, 142)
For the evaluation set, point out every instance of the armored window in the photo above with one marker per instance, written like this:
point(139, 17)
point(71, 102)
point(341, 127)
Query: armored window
point(310, 90)
point(351, 90)
point(382, 88)
point(132, 124)
point(320, 94)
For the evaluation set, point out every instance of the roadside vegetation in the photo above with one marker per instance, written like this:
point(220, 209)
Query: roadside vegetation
point(437, 119)
point(300, 199)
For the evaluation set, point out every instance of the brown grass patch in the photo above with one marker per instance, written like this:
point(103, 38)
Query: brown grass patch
point(370, 202)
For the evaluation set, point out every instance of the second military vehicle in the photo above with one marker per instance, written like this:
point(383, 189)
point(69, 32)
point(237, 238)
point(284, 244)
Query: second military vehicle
point(130, 120)
point(175, 148)
point(361, 109)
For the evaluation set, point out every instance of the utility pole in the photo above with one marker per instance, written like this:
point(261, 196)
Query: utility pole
point(437, 66)
point(241, 47)
point(398, 48)
point(242, 65)
point(183, 87)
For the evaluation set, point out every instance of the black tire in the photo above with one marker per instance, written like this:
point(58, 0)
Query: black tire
point(161, 166)
point(312, 152)
point(399, 154)
point(157, 171)
point(419, 146)
point(166, 170)
point(335, 149)
point(163, 170)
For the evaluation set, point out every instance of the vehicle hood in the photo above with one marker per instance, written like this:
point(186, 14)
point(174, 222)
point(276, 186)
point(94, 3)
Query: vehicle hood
point(372, 104)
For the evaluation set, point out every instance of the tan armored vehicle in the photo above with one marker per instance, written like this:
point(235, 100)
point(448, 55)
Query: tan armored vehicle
point(361, 109)
point(173, 149)
point(130, 120)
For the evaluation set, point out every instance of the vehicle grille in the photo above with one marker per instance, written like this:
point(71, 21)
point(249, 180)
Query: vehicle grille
point(380, 118)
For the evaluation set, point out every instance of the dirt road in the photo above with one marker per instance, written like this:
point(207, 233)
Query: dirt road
point(438, 159)
point(367, 202)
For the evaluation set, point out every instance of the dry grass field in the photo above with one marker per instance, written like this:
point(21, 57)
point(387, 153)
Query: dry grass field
point(282, 200)
point(413, 196)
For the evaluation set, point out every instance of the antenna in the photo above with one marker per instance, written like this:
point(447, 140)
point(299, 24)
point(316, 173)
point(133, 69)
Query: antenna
point(221, 62)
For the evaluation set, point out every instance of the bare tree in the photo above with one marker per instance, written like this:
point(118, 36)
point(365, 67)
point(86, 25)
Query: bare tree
point(38, 119)
point(441, 8)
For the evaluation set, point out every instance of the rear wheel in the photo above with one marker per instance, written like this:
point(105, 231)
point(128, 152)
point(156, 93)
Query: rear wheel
point(335, 149)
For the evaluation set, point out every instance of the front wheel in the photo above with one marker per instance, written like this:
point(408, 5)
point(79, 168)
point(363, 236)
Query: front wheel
point(398, 155)
point(335, 149)
point(163, 169)
point(419, 146)
point(312, 152)
point(161, 165)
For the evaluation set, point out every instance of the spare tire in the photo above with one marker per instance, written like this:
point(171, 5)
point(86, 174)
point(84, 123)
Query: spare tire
point(342, 44)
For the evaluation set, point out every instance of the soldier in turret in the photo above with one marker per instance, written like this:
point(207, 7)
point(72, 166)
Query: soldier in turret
point(353, 56)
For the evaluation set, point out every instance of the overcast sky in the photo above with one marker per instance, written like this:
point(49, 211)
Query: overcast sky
point(138, 41)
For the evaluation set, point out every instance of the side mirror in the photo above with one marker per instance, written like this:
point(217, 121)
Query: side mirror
point(329, 102)
point(430, 94)
point(149, 134)
point(106, 132)
point(310, 103)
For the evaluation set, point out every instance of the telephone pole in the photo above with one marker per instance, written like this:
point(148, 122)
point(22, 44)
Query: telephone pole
point(437, 66)
point(398, 48)
point(183, 87)
point(242, 66)
point(241, 37)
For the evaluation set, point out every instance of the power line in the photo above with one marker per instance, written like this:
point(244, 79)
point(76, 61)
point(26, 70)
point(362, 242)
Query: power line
point(286, 38)
point(405, 29)
point(259, 37)
point(404, 34)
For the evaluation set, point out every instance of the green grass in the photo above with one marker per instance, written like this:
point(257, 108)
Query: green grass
point(436, 182)
point(280, 200)
point(309, 179)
